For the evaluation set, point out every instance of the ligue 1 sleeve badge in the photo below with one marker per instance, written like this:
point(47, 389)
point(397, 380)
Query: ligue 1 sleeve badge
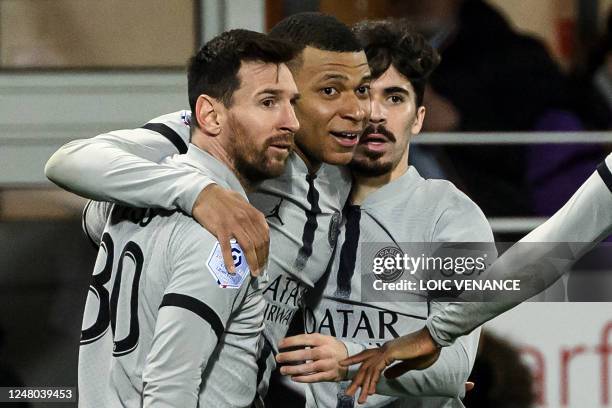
point(216, 266)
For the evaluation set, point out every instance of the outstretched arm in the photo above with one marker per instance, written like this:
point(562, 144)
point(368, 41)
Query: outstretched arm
point(575, 229)
point(582, 222)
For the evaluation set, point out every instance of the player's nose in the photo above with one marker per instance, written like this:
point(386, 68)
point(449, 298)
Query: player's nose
point(356, 109)
point(377, 113)
point(289, 121)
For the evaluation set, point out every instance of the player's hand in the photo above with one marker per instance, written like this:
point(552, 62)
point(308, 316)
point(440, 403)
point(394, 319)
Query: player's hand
point(318, 363)
point(226, 215)
point(416, 351)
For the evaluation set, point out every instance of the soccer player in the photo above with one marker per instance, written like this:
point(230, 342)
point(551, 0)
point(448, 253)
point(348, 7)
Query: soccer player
point(165, 323)
point(391, 203)
point(577, 227)
point(303, 206)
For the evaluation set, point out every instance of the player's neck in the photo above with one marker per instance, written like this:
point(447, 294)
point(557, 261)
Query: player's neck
point(216, 150)
point(364, 185)
point(311, 164)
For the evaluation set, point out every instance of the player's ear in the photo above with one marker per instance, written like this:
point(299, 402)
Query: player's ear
point(208, 114)
point(418, 120)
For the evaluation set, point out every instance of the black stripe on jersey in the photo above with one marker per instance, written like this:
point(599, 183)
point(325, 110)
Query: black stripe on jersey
point(605, 174)
point(197, 307)
point(169, 134)
point(305, 251)
point(84, 225)
point(348, 253)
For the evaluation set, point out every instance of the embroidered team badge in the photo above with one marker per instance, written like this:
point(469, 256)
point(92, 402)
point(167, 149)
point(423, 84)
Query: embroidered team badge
point(216, 266)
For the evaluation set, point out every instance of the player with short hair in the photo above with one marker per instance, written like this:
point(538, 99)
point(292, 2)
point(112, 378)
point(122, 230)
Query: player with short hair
point(389, 203)
point(165, 323)
point(584, 221)
point(303, 206)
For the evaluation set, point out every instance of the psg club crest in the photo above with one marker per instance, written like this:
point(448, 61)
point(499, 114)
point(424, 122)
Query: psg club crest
point(216, 266)
point(393, 274)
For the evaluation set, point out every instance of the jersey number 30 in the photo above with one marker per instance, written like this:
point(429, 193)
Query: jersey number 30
point(107, 312)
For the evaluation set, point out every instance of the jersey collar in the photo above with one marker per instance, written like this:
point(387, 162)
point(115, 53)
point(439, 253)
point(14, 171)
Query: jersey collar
point(396, 189)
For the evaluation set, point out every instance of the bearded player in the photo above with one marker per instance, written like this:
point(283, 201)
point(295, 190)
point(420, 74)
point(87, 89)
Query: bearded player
point(164, 325)
point(303, 206)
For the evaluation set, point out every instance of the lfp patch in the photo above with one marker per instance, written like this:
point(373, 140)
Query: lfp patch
point(216, 266)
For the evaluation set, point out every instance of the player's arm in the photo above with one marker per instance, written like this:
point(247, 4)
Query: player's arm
point(123, 167)
point(191, 320)
point(584, 221)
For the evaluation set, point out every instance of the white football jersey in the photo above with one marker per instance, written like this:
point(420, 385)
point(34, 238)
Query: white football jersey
point(165, 324)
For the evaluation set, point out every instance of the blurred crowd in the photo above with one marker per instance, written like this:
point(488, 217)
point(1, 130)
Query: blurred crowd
point(495, 79)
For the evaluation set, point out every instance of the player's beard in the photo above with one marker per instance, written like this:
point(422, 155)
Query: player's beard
point(369, 163)
point(251, 160)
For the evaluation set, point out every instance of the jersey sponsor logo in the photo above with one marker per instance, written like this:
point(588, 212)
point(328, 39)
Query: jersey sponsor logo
point(217, 268)
point(285, 290)
point(283, 297)
point(374, 326)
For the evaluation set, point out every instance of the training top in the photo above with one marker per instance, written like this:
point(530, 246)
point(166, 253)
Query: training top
point(303, 209)
point(407, 215)
point(165, 324)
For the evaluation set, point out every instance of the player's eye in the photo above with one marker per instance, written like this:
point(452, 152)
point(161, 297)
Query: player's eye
point(396, 99)
point(268, 103)
point(363, 90)
point(329, 91)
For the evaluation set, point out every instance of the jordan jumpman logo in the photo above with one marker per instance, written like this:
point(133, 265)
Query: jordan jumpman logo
point(275, 212)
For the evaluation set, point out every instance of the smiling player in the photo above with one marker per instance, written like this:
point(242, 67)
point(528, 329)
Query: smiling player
point(303, 206)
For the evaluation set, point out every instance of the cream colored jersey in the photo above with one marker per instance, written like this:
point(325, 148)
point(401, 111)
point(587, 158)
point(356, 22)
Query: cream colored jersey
point(400, 216)
point(165, 324)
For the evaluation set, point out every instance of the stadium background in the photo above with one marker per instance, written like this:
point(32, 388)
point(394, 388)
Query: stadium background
point(75, 68)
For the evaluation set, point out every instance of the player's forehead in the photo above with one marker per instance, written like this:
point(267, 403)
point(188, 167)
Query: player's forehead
point(320, 65)
point(256, 77)
point(391, 79)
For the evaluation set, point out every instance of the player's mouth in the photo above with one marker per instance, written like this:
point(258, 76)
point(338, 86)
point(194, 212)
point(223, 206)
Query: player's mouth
point(282, 146)
point(281, 143)
point(346, 138)
point(375, 142)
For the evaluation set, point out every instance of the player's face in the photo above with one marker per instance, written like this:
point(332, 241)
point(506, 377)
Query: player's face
point(334, 104)
point(394, 119)
point(262, 121)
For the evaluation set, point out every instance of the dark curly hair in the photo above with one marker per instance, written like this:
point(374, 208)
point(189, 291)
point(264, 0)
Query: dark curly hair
point(393, 42)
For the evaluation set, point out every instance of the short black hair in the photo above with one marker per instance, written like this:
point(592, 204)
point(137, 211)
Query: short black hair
point(214, 69)
point(393, 42)
point(316, 30)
